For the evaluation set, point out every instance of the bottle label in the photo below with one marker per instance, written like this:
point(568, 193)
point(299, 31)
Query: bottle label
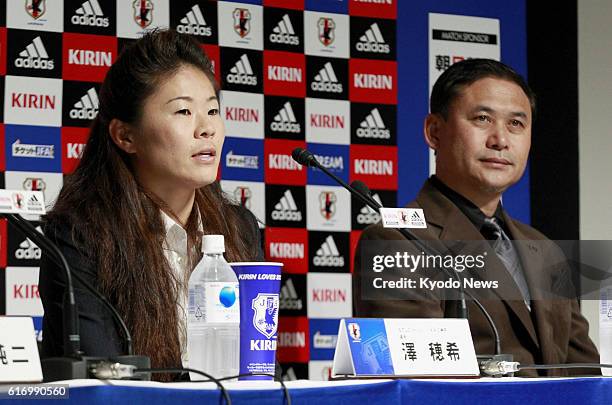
point(214, 302)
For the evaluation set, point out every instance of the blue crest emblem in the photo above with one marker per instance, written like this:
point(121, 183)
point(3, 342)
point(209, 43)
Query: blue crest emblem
point(265, 317)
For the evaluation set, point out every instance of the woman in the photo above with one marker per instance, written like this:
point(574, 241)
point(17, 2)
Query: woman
point(130, 218)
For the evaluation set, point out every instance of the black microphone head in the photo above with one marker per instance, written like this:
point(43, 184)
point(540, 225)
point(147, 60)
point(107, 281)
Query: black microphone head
point(303, 157)
point(361, 187)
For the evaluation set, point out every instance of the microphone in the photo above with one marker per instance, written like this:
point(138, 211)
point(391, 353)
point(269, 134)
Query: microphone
point(363, 188)
point(75, 364)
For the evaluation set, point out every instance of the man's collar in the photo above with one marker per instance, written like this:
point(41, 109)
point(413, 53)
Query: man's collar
point(469, 209)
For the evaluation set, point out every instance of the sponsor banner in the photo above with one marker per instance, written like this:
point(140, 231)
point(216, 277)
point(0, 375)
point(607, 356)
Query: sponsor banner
point(249, 194)
point(326, 34)
point(2, 149)
point(22, 251)
point(284, 118)
point(294, 371)
point(330, 6)
point(328, 208)
point(362, 215)
point(22, 297)
point(38, 327)
point(243, 114)
point(90, 16)
point(285, 206)
point(33, 100)
point(327, 78)
point(293, 340)
point(73, 144)
point(372, 39)
point(373, 8)
point(36, 15)
point(289, 246)
point(328, 121)
point(88, 57)
point(242, 70)
point(334, 158)
point(373, 81)
point(134, 18)
point(323, 338)
point(284, 30)
point(329, 252)
point(284, 74)
point(2, 51)
point(3, 289)
point(242, 159)
point(34, 53)
point(80, 103)
point(240, 25)
point(280, 167)
point(355, 235)
point(213, 53)
point(49, 184)
point(320, 370)
point(376, 166)
point(291, 4)
point(4, 250)
point(30, 148)
point(329, 295)
point(197, 18)
point(374, 124)
point(293, 295)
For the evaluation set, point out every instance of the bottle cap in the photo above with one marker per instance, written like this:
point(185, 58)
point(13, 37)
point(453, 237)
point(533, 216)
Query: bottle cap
point(213, 244)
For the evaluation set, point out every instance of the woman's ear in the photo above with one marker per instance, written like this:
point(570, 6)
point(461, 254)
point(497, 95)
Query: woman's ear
point(121, 133)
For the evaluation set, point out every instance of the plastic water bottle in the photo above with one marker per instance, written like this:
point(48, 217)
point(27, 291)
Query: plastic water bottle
point(213, 327)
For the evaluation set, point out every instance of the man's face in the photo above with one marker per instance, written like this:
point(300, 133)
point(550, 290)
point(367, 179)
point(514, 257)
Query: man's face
point(483, 145)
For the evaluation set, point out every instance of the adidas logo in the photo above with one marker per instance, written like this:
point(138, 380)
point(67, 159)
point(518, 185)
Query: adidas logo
point(28, 249)
point(373, 127)
point(283, 33)
point(35, 56)
point(288, 297)
point(285, 120)
point(367, 215)
point(372, 41)
point(242, 73)
point(286, 209)
point(87, 107)
point(290, 375)
point(194, 23)
point(90, 14)
point(326, 80)
point(328, 254)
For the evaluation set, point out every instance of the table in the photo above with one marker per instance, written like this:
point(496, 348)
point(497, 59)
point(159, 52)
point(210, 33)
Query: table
point(574, 391)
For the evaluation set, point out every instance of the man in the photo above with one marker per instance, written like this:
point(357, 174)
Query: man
point(480, 130)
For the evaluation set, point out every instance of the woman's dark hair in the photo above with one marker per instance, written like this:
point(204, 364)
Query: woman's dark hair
point(119, 225)
point(468, 71)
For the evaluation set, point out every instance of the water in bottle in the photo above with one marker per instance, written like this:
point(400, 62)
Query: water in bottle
point(213, 327)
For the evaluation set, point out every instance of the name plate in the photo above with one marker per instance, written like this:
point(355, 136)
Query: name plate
point(405, 347)
point(403, 218)
point(22, 202)
point(19, 360)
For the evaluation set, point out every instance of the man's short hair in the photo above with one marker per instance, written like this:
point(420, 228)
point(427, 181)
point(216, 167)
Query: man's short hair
point(466, 72)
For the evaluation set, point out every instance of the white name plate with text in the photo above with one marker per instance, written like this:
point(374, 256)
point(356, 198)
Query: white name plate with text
point(22, 202)
point(405, 347)
point(19, 359)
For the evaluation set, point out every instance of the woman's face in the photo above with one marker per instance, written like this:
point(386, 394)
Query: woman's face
point(178, 141)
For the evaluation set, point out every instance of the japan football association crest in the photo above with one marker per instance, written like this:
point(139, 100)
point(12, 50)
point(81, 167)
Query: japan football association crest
point(327, 204)
point(243, 196)
point(327, 30)
point(36, 8)
point(265, 317)
point(242, 21)
point(143, 12)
